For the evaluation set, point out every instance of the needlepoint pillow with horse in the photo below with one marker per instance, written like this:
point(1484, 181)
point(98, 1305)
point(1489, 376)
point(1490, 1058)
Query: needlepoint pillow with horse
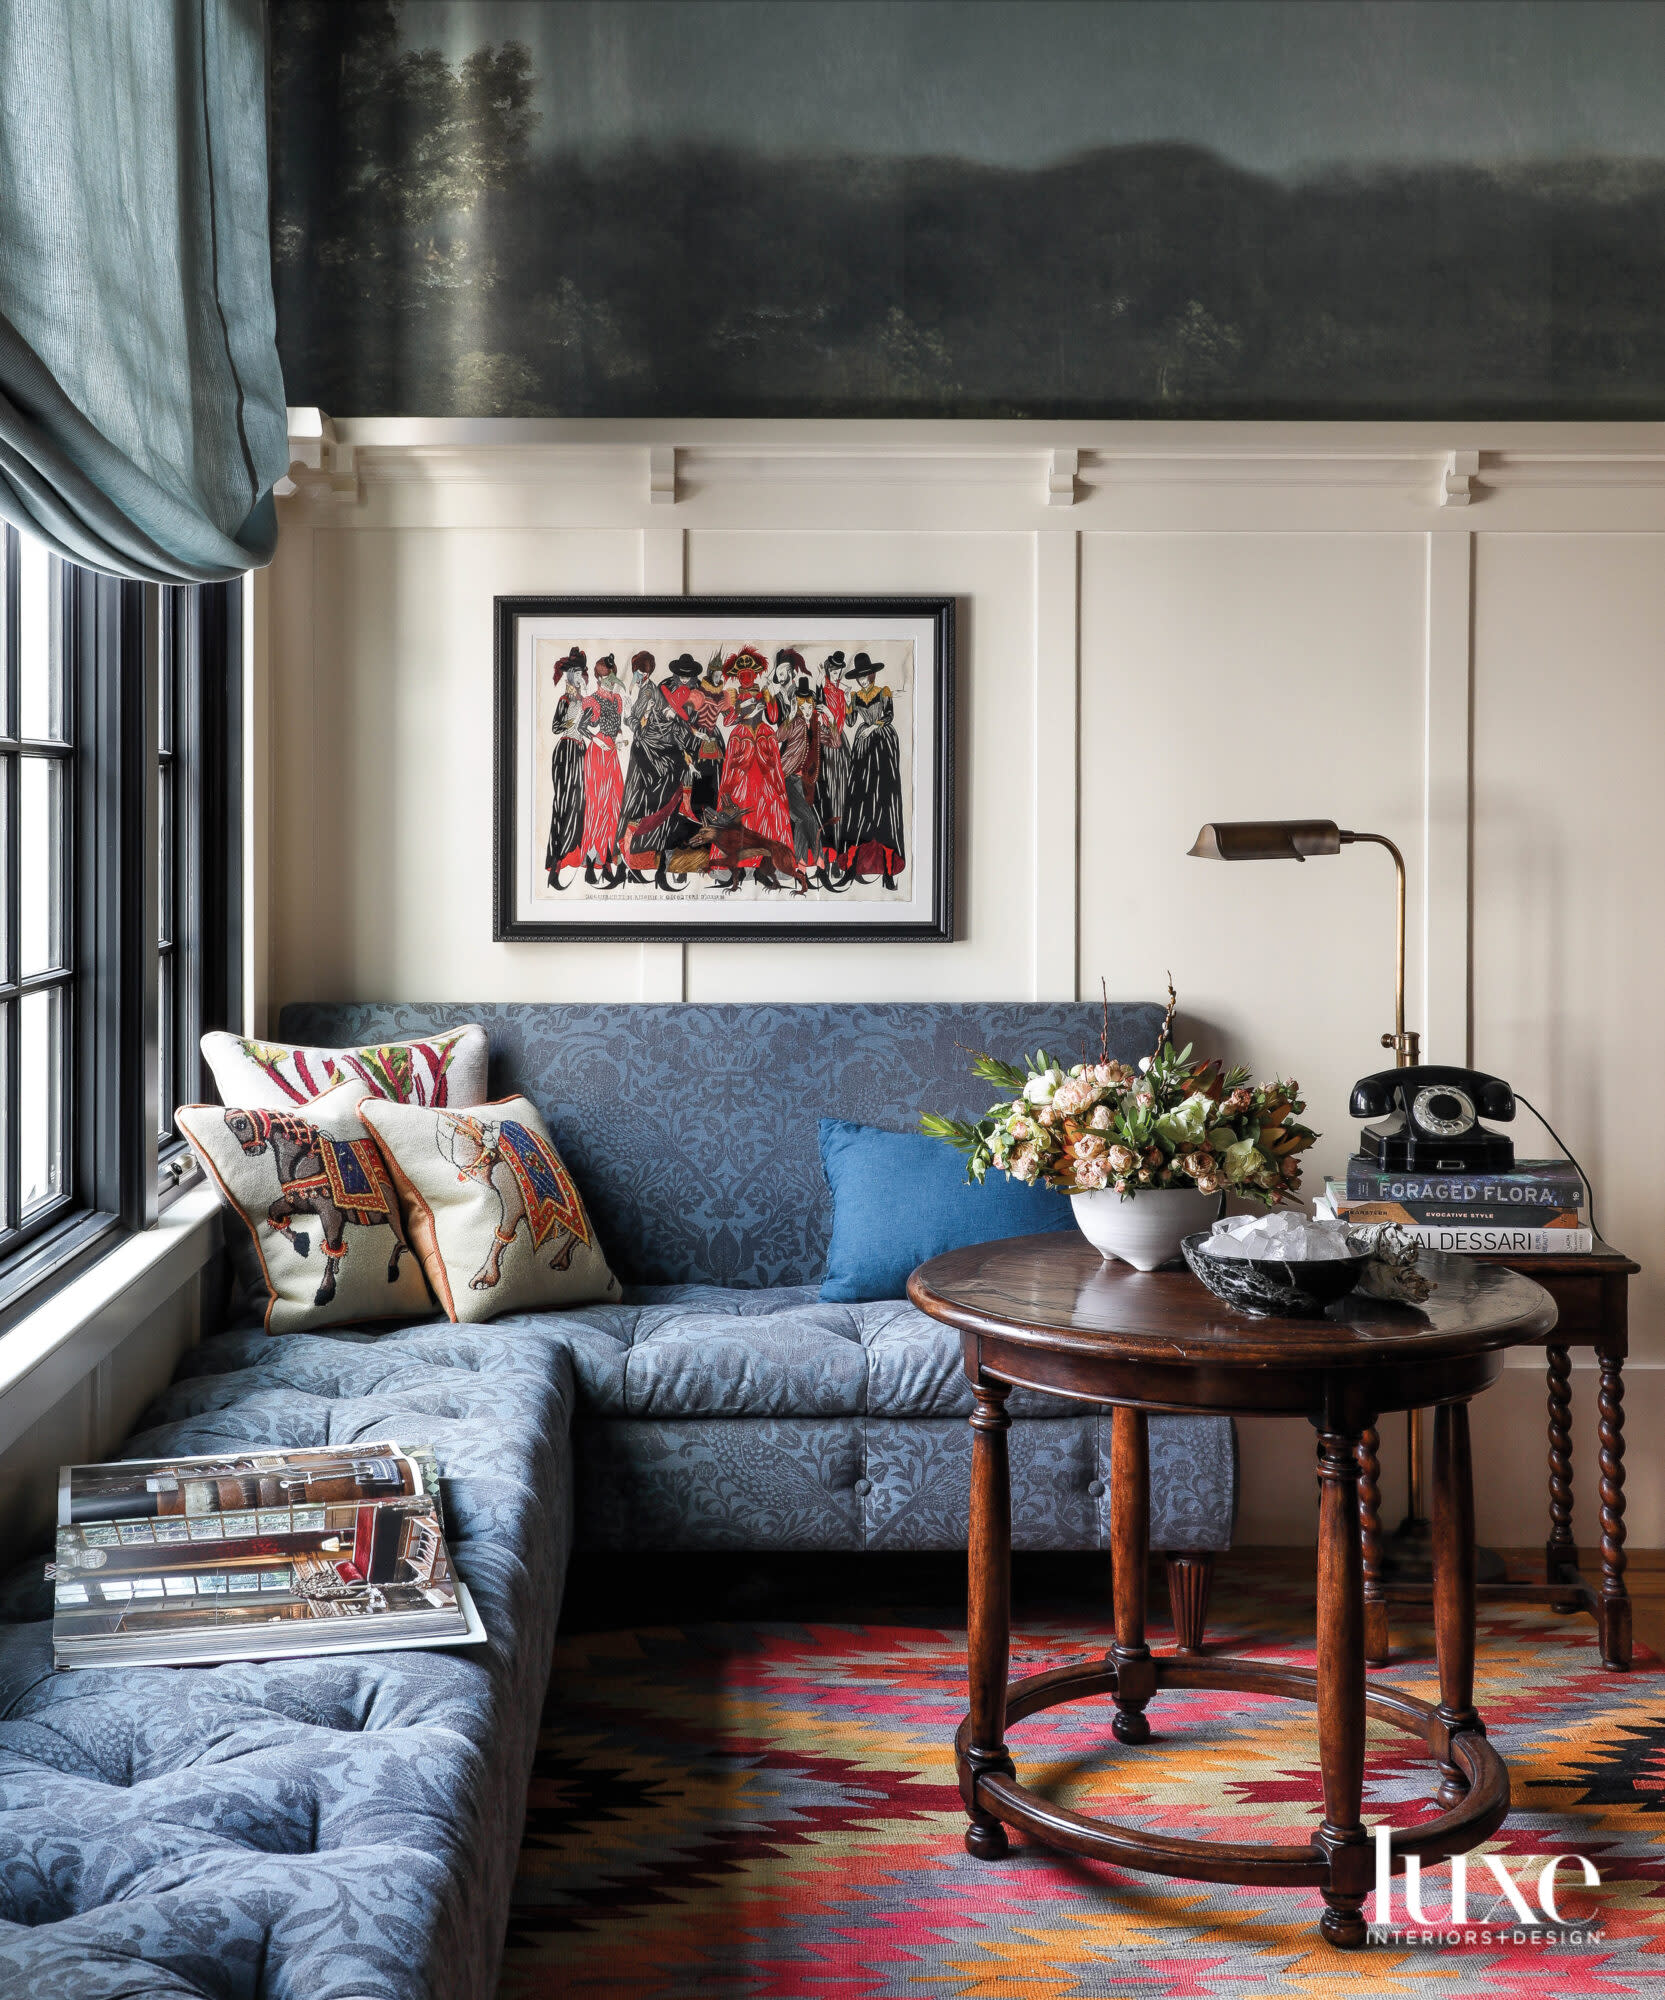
point(444, 1068)
point(319, 1206)
point(491, 1208)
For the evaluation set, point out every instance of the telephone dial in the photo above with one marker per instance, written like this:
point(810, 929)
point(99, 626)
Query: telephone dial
point(1433, 1118)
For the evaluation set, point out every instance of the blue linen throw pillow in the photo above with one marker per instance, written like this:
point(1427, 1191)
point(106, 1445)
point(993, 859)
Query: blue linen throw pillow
point(899, 1197)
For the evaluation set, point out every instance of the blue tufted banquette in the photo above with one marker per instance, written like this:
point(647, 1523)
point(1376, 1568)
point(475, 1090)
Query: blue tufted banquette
point(346, 1829)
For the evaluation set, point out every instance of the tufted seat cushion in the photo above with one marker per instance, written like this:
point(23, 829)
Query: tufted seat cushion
point(702, 1350)
point(716, 1418)
point(305, 1829)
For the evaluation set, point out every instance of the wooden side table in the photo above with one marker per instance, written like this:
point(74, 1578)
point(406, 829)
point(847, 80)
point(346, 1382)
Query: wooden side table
point(1591, 1296)
point(1045, 1312)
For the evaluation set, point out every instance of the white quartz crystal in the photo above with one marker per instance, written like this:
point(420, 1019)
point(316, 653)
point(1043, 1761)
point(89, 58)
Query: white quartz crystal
point(1283, 1234)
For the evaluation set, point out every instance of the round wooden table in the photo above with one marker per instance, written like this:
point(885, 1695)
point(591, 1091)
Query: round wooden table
point(1046, 1313)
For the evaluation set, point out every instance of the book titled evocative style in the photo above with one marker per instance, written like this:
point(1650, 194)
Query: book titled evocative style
point(254, 1555)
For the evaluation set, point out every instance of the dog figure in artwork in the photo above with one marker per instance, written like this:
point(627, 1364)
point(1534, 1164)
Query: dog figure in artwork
point(337, 1180)
point(531, 1185)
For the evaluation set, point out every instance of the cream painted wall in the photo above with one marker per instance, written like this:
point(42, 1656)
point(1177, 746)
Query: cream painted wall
point(1160, 625)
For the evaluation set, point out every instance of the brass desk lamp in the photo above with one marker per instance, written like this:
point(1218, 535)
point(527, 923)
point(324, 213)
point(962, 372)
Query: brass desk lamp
point(1297, 840)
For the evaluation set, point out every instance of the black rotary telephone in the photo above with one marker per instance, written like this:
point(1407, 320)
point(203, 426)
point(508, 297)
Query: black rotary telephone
point(1433, 1120)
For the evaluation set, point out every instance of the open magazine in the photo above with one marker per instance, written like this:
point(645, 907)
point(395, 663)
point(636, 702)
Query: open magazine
point(254, 1555)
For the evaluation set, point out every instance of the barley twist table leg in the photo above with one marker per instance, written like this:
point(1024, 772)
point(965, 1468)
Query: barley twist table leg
point(1370, 1537)
point(1614, 1616)
point(1560, 1551)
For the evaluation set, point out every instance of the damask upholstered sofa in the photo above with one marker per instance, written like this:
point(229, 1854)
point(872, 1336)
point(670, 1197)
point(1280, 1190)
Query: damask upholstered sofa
point(346, 1829)
point(723, 1405)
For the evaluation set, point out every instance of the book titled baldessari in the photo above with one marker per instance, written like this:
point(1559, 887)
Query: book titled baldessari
point(254, 1555)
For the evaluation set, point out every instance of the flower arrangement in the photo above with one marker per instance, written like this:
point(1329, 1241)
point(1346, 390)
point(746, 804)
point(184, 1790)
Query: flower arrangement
point(1169, 1123)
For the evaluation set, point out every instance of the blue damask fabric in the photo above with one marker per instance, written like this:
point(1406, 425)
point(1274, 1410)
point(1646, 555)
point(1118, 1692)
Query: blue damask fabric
point(325, 1829)
point(883, 1482)
point(691, 1130)
point(697, 1351)
point(773, 1420)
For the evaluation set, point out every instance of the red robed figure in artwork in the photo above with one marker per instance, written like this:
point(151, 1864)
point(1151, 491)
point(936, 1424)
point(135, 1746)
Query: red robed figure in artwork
point(752, 776)
point(603, 773)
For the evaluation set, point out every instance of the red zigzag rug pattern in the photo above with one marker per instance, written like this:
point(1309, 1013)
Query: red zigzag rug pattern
point(770, 1811)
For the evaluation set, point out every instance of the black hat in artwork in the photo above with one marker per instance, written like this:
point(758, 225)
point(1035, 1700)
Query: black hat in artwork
point(685, 668)
point(835, 663)
point(863, 668)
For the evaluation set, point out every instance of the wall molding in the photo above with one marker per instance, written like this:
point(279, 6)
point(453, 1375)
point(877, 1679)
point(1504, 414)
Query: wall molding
point(1134, 477)
point(1055, 820)
point(1448, 801)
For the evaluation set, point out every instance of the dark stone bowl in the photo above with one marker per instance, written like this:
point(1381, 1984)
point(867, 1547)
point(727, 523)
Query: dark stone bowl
point(1271, 1287)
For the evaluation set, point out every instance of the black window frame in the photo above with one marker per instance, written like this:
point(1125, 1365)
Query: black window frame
point(201, 852)
point(116, 639)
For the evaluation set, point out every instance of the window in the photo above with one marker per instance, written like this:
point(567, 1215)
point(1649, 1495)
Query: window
point(37, 959)
point(119, 868)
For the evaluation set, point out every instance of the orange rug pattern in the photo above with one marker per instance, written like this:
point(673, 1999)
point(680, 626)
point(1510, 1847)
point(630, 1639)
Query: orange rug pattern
point(769, 1810)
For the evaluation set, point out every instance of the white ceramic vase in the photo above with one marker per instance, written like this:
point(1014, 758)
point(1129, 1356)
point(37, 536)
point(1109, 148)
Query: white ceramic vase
point(1144, 1230)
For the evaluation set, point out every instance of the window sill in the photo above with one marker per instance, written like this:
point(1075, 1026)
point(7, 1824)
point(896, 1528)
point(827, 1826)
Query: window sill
point(46, 1352)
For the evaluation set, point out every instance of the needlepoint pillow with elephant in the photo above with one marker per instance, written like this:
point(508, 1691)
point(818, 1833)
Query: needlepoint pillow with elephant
point(490, 1207)
point(354, 1217)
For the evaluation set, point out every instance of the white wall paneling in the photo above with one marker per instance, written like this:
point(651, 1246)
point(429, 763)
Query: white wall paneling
point(78, 1371)
point(1448, 634)
point(1055, 753)
point(1446, 1024)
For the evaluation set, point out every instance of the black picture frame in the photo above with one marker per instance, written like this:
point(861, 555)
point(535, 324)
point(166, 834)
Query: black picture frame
point(511, 926)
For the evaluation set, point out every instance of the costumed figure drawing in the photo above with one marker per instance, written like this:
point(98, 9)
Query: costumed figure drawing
point(832, 708)
point(661, 750)
point(566, 770)
point(872, 832)
point(599, 725)
point(752, 780)
point(800, 762)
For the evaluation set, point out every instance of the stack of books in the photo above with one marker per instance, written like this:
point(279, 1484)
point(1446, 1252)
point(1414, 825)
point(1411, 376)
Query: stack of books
point(252, 1556)
point(1536, 1209)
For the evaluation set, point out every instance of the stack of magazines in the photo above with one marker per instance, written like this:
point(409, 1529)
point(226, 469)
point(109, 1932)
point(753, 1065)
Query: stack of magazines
point(254, 1555)
point(1538, 1208)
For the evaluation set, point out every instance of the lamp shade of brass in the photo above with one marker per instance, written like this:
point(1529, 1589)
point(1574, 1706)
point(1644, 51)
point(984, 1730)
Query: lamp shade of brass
point(1267, 839)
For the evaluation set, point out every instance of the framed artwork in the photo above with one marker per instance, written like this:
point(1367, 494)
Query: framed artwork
point(724, 767)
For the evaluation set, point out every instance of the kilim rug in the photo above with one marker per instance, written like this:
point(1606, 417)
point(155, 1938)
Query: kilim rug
point(769, 1810)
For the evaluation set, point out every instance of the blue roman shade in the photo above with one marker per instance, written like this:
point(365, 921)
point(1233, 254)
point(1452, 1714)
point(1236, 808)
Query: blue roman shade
point(141, 403)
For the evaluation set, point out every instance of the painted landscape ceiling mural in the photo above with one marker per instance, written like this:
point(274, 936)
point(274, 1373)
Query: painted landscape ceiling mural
point(1391, 208)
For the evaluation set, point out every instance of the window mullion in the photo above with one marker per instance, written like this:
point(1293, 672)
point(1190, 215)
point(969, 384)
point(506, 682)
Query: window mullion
point(14, 970)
